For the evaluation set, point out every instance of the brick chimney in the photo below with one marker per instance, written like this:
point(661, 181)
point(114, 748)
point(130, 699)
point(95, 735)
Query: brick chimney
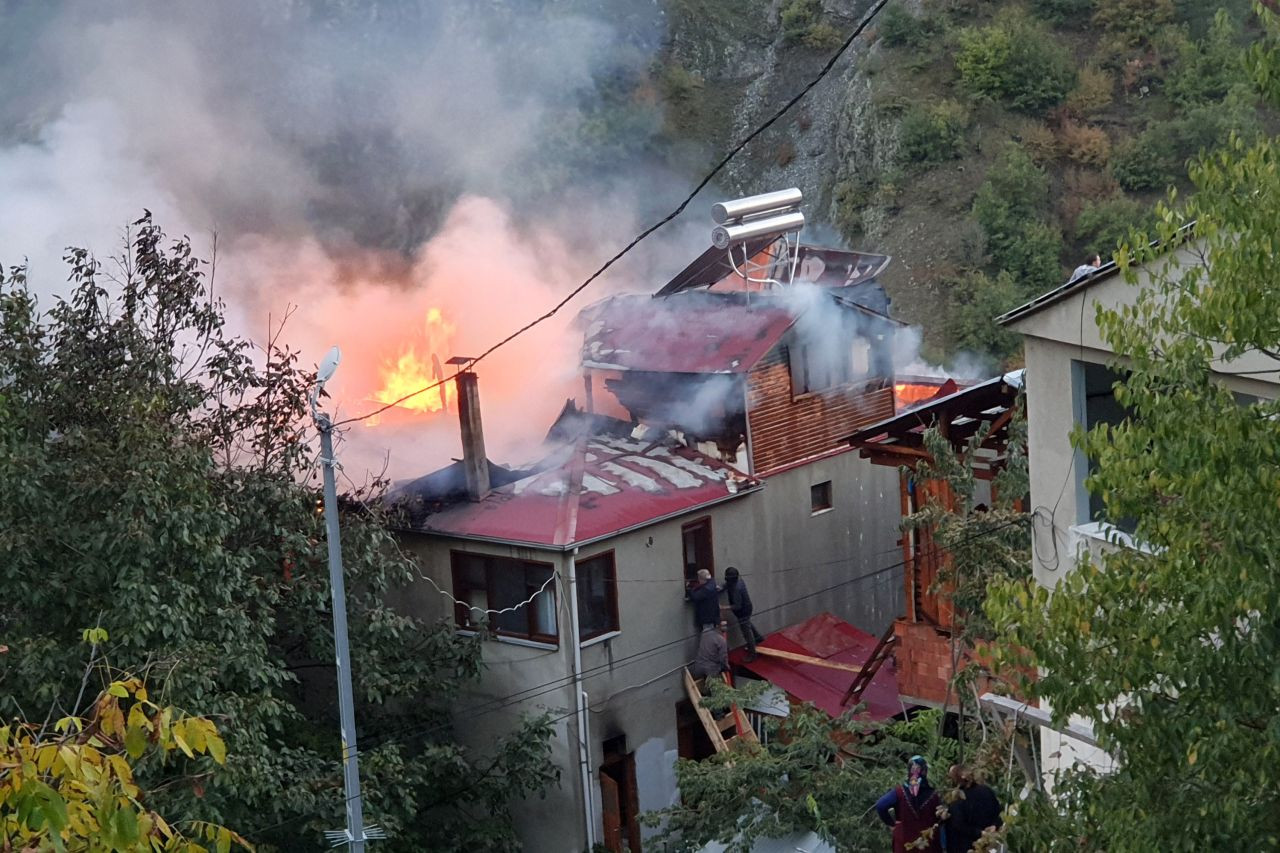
point(474, 462)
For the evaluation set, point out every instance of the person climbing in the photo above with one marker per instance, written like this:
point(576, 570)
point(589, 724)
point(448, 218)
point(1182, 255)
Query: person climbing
point(705, 595)
point(740, 603)
point(1091, 265)
point(713, 652)
point(912, 810)
point(972, 814)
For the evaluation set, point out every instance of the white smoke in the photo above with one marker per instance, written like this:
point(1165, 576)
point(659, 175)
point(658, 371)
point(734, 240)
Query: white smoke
point(360, 161)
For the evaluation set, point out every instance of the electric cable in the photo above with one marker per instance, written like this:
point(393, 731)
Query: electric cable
point(560, 683)
point(679, 209)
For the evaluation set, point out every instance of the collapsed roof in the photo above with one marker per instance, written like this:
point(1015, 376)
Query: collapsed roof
point(588, 487)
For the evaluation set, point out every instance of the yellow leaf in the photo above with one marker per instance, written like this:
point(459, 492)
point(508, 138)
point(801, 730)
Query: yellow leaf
point(217, 749)
point(1191, 755)
point(182, 744)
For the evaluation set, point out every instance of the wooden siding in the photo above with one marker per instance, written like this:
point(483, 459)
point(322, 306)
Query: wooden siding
point(786, 430)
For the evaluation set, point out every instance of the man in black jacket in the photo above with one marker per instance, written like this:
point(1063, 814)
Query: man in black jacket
point(705, 595)
point(740, 603)
point(969, 816)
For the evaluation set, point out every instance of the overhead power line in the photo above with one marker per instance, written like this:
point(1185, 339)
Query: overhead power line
point(501, 703)
point(679, 209)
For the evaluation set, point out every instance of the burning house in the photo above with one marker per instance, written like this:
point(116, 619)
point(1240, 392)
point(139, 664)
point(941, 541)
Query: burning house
point(712, 432)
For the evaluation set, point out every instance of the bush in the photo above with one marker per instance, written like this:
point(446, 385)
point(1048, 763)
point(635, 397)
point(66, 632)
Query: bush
point(823, 36)
point(969, 325)
point(1067, 13)
point(1039, 141)
point(1015, 61)
point(1103, 225)
point(1011, 207)
point(1083, 144)
point(932, 134)
point(1208, 69)
point(797, 17)
point(900, 28)
point(1093, 92)
point(1133, 23)
point(1157, 158)
point(678, 84)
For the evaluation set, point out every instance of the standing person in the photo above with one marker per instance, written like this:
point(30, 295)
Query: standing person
point(740, 603)
point(705, 595)
point(970, 816)
point(713, 652)
point(912, 809)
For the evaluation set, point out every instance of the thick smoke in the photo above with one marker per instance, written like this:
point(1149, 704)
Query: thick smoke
point(362, 161)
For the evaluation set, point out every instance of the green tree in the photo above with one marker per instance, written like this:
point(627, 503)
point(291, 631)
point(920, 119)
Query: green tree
point(154, 474)
point(1170, 650)
point(974, 299)
point(1012, 206)
point(1017, 61)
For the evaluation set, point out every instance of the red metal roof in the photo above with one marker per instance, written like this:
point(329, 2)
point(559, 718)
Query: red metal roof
point(825, 636)
point(591, 488)
point(693, 332)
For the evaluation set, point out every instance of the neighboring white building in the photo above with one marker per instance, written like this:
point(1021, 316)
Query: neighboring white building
point(1068, 383)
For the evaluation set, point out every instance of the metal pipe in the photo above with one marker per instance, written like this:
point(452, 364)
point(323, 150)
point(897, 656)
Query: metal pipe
point(580, 697)
point(346, 701)
point(724, 236)
point(727, 211)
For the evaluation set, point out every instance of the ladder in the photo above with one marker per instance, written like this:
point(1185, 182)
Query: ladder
point(869, 669)
point(716, 729)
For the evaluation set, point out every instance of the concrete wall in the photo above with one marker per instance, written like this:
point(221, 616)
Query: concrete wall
point(1060, 340)
point(796, 564)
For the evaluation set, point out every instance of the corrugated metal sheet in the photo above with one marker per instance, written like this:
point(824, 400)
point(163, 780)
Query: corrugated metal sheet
point(825, 636)
point(786, 430)
point(689, 333)
point(592, 488)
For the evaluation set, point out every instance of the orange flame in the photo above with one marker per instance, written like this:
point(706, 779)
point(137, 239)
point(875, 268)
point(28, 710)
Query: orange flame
point(409, 372)
point(908, 394)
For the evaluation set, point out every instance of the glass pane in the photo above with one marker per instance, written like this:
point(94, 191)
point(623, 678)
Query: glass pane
point(595, 596)
point(508, 585)
point(544, 606)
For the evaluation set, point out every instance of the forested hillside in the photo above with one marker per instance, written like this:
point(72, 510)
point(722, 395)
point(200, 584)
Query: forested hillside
point(989, 145)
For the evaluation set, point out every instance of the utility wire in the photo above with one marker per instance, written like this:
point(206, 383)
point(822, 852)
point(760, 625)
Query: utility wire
point(679, 209)
point(560, 683)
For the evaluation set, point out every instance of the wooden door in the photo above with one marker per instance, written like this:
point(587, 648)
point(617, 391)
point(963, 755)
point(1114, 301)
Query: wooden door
point(612, 813)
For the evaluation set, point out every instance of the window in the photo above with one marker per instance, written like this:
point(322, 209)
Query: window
point(1100, 407)
point(820, 497)
point(822, 364)
point(496, 583)
point(597, 596)
point(697, 548)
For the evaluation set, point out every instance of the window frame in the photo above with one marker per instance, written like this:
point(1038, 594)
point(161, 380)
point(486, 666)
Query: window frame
point(611, 583)
point(830, 504)
point(684, 553)
point(462, 614)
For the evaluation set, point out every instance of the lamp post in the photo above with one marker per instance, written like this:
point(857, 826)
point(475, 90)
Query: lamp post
point(354, 836)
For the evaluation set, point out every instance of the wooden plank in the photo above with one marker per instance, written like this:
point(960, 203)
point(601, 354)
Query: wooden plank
point(708, 722)
point(798, 658)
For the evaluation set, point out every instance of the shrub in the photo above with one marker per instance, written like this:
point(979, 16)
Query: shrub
point(678, 84)
point(1133, 23)
point(1083, 144)
point(932, 134)
point(1039, 141)
point(1103, 225)
point(969, 326)
point(900, 28)
point(797, 17)
point(1093, 92)
point(1207, 70)
point(823, 36)
point(1068, 13)
point(1016, 61)
point(1011, 206)
point(1157, 157)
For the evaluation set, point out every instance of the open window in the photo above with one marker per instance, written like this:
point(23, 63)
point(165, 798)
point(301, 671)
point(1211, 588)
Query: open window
point(488, 582)
point(696, 536)
point(597, 596)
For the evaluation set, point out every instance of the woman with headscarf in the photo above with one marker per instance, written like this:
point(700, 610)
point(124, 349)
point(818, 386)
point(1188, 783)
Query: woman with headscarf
point(911, 808)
